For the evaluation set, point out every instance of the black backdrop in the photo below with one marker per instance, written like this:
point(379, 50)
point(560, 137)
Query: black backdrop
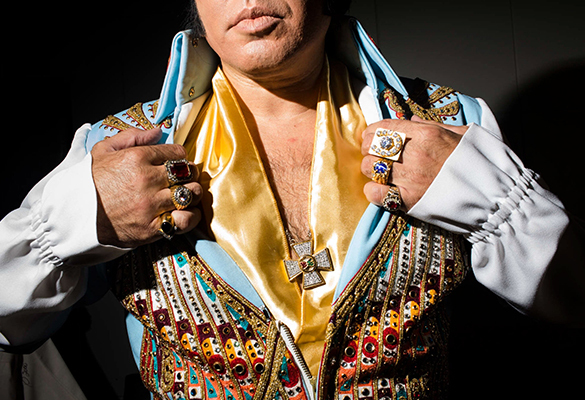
point(68, 64)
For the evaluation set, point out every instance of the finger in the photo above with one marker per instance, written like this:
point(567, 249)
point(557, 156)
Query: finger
point(399, 125)
point(197, 191)
point(163, 174)
point(160, 153)
point(460, 130)
point(194, 171)
point(375, 192)
point(367, 142)
point(157, 177)
point(164, 198)
point(368, 163)
point(186, 220)
point(131, 138)
point(403, 126)
point(183, 220)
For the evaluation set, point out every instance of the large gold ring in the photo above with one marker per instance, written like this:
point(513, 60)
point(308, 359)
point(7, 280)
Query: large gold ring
point(181, 196)
point(178, 171)
point(167, 225)
point(387, 144)
point(381, 171)
point(393, 200)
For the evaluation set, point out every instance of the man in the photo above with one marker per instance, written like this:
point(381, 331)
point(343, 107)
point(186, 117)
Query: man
point(290, 273)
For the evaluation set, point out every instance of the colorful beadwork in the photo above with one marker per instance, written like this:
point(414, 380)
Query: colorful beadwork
point(386, 336)
point(202, 339)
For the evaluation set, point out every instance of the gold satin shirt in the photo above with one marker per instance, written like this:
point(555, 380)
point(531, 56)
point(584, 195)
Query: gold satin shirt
point(240, 207)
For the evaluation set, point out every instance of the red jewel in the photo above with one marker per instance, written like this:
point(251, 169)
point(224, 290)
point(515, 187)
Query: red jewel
point(181, 170)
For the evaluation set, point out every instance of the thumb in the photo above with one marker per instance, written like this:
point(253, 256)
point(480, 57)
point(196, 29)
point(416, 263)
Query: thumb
point(132, 137)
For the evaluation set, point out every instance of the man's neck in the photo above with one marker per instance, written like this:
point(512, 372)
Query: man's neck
point(272, 99)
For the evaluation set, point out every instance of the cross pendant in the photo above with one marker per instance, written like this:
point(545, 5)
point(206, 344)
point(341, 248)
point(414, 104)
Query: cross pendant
point(309, 265)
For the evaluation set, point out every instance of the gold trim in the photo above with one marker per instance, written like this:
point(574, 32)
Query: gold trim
point(137, 119)
point(111, 122)
point(269, 382)
point(363, 279)
point(434, 114)
point(404, 107)
point(440, 93)
point(137, 114)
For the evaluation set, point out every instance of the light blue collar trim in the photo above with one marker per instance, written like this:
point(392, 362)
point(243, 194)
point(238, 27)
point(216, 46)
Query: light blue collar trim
point(135, 331)
point(364, 240)
point(192, 65)
point(220, 262)
point(377, 71)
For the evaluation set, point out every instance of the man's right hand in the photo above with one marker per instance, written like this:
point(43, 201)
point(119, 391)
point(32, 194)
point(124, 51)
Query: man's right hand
point(133, 189)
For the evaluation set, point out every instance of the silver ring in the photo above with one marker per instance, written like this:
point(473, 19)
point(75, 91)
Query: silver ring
point(181, 196)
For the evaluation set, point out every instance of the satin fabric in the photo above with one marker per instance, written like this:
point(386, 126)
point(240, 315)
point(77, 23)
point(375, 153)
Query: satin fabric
point(243, 216)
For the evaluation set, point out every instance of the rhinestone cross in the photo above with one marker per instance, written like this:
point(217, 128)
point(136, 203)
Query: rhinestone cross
point(308, 265)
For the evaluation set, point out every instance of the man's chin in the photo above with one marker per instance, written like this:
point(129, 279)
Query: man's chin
point(262, 56)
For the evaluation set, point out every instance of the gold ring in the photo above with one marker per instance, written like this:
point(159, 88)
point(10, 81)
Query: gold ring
point(387, 144)
point(381, 171)
point(393, 200)
point(167, 225)
point(178, 171)
point(181, 196)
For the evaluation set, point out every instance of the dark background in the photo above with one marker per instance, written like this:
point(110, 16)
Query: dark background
point(71, 63)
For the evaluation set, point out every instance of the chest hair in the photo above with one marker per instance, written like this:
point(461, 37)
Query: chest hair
point(288, 165)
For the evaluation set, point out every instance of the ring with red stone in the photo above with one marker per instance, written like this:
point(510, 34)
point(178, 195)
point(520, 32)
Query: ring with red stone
point(393, 200)
point(178, 171)
point(181, 196)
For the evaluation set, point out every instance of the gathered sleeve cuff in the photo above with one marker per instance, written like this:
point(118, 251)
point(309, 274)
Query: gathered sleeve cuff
point(515, 225)
point(45, 246)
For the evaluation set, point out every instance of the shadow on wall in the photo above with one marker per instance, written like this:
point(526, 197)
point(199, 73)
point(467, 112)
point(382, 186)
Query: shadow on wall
point(495, 351)
point(549, 132)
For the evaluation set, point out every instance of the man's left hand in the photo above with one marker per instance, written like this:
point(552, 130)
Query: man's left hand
point(427, 147)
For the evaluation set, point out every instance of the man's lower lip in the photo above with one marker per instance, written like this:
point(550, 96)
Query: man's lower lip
point(257, 25)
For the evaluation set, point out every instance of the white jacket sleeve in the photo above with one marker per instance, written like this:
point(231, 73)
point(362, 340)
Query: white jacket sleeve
point(525, 248)
point(45, 245)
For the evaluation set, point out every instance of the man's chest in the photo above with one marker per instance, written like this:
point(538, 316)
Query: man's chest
point(288, 162)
